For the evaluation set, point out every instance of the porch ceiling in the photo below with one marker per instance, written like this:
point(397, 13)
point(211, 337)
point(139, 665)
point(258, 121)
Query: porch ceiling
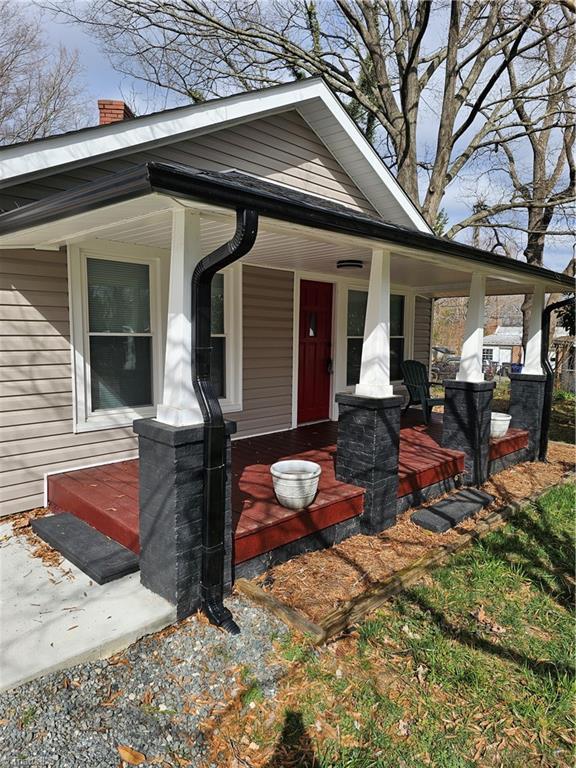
point(147, 221)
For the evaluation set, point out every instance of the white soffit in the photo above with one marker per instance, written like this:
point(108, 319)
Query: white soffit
point(312, 98)
point(146, 221)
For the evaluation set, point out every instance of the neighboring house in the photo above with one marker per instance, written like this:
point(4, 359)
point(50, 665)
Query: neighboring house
point(505, 345)
point(325, 278)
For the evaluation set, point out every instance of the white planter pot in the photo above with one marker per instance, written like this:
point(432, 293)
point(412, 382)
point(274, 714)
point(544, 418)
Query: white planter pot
point(295, 482)
point(499, 424)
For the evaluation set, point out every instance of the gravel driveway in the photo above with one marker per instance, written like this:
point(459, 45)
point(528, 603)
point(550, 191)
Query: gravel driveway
point(152, 697)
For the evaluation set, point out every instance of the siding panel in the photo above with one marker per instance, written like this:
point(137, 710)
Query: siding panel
point(267, 377)
point(36, 385)
point(281, 148)
point(422, 329)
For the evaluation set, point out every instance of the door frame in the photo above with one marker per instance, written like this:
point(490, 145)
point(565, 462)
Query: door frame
point(340, 287)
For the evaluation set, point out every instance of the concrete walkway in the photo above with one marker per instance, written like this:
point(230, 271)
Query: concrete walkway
point(53, 618)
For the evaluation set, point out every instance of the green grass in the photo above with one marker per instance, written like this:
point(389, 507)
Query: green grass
point(424, 682)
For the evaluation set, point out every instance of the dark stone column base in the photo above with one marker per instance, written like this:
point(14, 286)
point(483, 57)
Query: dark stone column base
point(466, 425)
point(527, 406)
point(171, 493)
point(367, 455)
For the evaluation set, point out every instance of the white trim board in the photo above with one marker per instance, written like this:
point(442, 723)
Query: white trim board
point(312, 98)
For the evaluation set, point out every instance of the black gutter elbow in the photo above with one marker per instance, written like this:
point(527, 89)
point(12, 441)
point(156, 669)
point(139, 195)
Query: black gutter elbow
point(214, 496)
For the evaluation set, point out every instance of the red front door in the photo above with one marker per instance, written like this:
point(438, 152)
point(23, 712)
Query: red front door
point(315, 351)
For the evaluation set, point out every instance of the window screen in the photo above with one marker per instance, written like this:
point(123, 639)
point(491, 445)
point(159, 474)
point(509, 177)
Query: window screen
point(120, 336)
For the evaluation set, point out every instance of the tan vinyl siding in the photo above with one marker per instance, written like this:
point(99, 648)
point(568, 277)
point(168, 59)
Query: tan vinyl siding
point(422, 329)
point(280, 148)
point(267, 299)
point(36, 427)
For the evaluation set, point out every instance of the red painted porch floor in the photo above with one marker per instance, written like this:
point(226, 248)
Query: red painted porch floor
point(107, 496)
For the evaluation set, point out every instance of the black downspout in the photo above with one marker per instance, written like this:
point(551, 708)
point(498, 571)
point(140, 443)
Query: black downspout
point(549, 385)
point(214, 498)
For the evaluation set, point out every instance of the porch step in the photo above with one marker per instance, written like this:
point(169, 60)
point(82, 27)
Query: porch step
point(105, 497)
point(99, 557)
point(446, 514)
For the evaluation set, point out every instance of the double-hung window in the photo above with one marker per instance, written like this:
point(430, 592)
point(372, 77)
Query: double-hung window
point(357, 301)
point(116, 336)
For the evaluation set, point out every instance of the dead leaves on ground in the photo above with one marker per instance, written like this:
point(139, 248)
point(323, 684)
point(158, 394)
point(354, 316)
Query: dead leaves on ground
point(21, 526)
point(486, 623)
point(360, 561)
point(130, 755)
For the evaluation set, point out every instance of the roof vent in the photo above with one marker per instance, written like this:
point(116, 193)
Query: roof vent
point(349, 264)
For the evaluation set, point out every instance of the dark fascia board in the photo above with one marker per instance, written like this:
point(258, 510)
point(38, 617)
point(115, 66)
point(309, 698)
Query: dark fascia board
point(194, 184)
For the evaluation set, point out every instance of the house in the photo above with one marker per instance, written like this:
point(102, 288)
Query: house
point(504, 346)
point(250, 256)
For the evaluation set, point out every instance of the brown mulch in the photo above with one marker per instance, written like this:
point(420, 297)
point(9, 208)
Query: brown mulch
point(318, 582)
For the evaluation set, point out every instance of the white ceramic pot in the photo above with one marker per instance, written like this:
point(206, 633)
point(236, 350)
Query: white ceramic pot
point(499, 424)
point(295, 482)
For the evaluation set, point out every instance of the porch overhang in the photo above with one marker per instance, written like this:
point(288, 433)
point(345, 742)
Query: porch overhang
point(126, 201)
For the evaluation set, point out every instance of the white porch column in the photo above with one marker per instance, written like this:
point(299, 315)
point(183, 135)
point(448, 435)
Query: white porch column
point(533, 360)
point(179, 406)
point(375, 365)
point(471, 359)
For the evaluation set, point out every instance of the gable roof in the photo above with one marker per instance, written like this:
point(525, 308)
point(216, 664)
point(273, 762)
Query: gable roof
point(312, 98)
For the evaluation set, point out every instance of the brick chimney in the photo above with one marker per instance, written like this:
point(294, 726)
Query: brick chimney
point(113, 111)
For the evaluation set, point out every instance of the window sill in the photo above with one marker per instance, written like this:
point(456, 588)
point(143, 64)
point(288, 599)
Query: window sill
point(124, 419)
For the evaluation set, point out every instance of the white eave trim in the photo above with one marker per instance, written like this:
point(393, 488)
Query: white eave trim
point(312, 98)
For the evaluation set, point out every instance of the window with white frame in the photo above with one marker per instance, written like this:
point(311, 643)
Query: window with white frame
point(118, 347)
point(118, 359)
point(487, 356)
point(226, 338)
point(357, 301)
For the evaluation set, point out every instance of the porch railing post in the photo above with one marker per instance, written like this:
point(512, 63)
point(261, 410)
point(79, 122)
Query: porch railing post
point(468, 399)
point(471, 358)
point(528, 389)
point(375, 365)
point(179, 405)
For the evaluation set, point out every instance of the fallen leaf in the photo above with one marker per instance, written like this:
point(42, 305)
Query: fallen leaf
point(182, 761)
point(131, 756)
point(109, 702)
point(408, 632)
point(487, 623)
point(421, 672)
point(404, 728)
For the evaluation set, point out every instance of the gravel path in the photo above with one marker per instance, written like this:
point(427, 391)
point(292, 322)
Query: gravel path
point(152, 699)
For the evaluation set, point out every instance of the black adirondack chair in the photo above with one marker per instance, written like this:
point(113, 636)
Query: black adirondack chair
point(416, 382)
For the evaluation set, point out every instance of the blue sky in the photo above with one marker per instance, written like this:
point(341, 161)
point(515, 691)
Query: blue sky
point(102, 81)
